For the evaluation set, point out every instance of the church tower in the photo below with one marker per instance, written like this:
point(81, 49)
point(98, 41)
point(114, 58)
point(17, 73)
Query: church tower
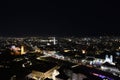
point(54, 40)
point(22, 50)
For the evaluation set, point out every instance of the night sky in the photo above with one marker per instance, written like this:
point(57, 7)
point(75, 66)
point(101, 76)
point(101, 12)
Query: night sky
point(59, 18)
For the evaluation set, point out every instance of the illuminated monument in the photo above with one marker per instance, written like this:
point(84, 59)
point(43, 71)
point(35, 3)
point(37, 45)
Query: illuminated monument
point(109, 59)
point(17, 50)
point(54, 40)
point(22, 50)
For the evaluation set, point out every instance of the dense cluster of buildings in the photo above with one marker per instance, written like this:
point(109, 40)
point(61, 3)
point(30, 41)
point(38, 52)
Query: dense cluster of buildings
point(60, 58)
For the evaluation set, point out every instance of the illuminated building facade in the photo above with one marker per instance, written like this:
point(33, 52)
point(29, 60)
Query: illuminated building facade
point(22, 49)
point(39, 75)
point(109, 59)
point(54, 41)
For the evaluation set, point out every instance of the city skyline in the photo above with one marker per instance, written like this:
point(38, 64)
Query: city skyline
point(59, 40)
point(63, 58)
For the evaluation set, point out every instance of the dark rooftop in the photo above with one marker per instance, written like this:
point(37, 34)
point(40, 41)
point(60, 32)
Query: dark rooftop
point(48, 79)
point(62, 76)
point(43, 66)
point(108, 65)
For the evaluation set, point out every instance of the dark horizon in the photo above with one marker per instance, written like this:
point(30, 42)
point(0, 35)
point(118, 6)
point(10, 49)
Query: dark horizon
point(83, 34)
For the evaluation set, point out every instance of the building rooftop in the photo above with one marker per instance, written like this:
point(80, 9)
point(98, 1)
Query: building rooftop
point(108, 65)
point(62, 76)
point(48, 79)
point(43, 66)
